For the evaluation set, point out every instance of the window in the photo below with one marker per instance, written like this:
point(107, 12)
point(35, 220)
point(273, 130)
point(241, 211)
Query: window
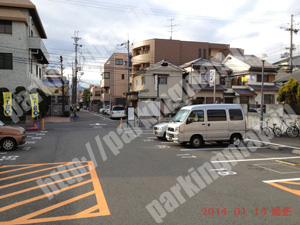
point(123, 76)
point(269, 99)
point(136, 83)
point(266, 78)
point(216, 115)
point(5, 27)
point(244, 99)
point(6, 61)
point(204, 53)
point(125, 63)
point(199, 53)
point(143, 80)
point(119, 61)
point(37, 70)
point(235, 114)
point(106, 75)
point(196, 116)
point(163, 80)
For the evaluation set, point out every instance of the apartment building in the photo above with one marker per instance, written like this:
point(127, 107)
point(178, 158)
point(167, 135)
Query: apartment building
point(23, 55)
point(114, 83)
point(148, 52)
point(244, 86)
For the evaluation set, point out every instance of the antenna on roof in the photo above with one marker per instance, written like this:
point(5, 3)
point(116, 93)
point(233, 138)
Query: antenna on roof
point(171, 28)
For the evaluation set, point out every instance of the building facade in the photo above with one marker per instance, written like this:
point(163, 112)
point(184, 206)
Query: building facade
point(23, 56)
point(114, 83)
point(148, 52)
point(244, 84)
point(95, 99)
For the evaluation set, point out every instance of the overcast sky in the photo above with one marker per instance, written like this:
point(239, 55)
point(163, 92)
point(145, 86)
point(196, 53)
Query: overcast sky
point(103, 25)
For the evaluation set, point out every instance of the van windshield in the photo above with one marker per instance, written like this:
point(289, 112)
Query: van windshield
point(181, 116)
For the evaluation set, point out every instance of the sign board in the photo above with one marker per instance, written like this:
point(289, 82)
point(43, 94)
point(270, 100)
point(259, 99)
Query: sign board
point(212, 77)
point(7, 100)
point(35, 105)
point(130, 114)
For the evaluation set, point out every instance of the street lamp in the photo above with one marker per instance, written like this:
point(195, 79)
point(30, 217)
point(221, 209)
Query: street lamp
point(263, 58)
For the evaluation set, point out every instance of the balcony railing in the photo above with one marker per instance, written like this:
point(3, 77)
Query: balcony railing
point(36, 43)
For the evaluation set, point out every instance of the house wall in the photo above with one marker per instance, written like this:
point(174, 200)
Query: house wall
point(17, 43)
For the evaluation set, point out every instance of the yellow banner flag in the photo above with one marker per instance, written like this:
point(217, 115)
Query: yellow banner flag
point(34, 98)
point(7, 99)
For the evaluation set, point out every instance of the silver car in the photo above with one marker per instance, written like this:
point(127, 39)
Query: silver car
point(159, 130)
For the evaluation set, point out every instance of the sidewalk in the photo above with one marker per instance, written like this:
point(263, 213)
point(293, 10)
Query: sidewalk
point(56, 119)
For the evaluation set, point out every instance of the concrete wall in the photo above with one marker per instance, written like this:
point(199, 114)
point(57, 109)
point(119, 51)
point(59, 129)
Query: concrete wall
point(273, 112)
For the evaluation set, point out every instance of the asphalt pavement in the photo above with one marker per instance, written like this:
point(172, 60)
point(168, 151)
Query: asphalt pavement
point(94, 172)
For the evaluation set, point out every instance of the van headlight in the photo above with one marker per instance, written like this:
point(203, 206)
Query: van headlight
point(177, 129)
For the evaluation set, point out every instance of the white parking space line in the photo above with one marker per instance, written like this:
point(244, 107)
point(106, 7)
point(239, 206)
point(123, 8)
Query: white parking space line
point(189, 157)
point(213, 149)
point(152, 137)
point(260, 159)
point(282, 180)
point(168, 143)
point(280, 145)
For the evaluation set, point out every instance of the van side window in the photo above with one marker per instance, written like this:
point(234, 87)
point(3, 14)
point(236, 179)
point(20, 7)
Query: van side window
point(196, 116)
point(235, 114)
point(216, 115)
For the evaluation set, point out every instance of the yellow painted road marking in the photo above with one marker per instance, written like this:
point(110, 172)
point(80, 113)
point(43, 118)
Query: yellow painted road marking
point(289, 163)
point(100, 209)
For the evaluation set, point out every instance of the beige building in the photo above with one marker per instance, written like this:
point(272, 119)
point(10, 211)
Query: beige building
point(114, 83)
point(148, 52)
point(162, 82)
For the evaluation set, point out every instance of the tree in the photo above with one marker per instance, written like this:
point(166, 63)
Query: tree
point(86, 97)
point(290, 92)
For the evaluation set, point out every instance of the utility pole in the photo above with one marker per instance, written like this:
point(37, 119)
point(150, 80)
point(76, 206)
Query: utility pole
point(63, 85)
point(171, 28)
point(291, 48)
point(76, 39)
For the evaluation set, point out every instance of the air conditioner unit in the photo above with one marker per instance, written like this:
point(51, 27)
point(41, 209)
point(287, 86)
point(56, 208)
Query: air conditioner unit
point(53, 99)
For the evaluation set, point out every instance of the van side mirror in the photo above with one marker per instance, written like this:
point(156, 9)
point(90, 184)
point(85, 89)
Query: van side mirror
point(188, 121)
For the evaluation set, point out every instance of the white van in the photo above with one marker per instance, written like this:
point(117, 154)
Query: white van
point(199, 123)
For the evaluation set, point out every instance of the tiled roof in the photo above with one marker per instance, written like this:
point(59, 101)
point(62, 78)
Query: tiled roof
point(295, 75)
point(254, 62)
point(245, 92)
point(266, 87)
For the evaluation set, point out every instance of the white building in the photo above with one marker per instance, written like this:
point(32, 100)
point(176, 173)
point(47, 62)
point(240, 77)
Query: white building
point(23, 55)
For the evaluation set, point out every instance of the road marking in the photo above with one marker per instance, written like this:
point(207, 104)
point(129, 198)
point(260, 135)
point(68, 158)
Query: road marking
point(3, 153)
point(168, 143)
point(152, 137)
point(288, 163)
point(36, 138)
point(281, 180)
point(26, 200)
point(213, 149)
point(182, 154)
point(162, 146)
point(280, 145)
point(189, 157)
point(98, 124)
point(30, 142)
point(9, 158)
point(260, 159)
point(280, 184)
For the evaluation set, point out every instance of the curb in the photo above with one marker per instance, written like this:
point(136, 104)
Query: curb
point(296, 152)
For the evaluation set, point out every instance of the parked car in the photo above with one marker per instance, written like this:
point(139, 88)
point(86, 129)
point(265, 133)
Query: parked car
point(159, 130)
point(199, 123)
point(117, 112)
point(102, 110)
point(11, 137)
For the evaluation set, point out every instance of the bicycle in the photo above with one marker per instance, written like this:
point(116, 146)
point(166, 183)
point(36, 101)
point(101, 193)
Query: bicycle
point(293, 130)
point(275, 130)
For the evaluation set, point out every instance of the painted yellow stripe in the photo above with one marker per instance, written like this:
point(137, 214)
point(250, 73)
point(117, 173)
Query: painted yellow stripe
point(293, 164)
point(103, 207)
point(26, 219)
point(87, 212)
point(296, 192)
point(32, 172)
point(288, 182)
point(23, 168)
point(37, 187)
point(35, 178)
point(42, 196)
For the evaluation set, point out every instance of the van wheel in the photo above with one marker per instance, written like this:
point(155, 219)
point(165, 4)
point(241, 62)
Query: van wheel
point(8, 144)
point(236, 139)
point(196, 141)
